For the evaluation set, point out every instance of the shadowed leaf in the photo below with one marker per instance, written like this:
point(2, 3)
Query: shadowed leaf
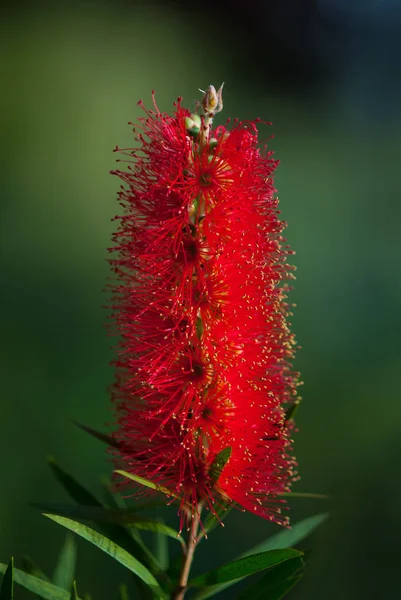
point(276, 582)
point(74, 489)
point(102, 437)
point(275, 593)
point(29, 567)
point(41, 588)
point(114, 500)
point(7, 586)
point(243, 567)
point(112, 549)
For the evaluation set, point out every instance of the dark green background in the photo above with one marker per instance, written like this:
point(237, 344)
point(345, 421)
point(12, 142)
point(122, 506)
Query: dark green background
point(329, 80)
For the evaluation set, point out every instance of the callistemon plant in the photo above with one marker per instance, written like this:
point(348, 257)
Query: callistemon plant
point(204, 376)
point(205, 394)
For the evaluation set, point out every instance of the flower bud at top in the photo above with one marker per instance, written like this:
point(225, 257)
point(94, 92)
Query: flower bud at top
point(212, 101)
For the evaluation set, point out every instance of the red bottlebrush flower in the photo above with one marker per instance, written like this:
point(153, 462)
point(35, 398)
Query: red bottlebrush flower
point(199, 303)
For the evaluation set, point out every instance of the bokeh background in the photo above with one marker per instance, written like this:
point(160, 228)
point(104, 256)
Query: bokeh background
point(327, 74)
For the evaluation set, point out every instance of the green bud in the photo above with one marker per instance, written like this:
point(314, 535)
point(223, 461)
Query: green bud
point(193, 124)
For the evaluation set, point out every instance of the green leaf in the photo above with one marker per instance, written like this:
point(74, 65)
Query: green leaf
point(7, 587)
point(29, 567)
point(276, 582)
point(64, 572)
point(44, 589)
point(77, 492)
point(149, 484)
point(289, 537)
point(102, 437)
point(218, 464)
point(116, 533)
point(243, 567)
point(74, 593)
point(112, 549)
point(123, 516)
point(114, 499)
point(281, 540)
point(274, 593)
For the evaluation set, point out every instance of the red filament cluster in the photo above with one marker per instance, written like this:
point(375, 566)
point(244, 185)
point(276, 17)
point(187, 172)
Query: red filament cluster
point(199, 304)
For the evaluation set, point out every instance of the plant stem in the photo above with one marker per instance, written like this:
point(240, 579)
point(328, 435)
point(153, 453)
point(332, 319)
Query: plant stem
point(189, 551)
point(205, 128)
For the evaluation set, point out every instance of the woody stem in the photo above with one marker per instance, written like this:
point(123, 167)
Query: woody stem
point(189, 551)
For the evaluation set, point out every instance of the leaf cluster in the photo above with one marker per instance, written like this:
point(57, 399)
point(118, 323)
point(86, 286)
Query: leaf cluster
point(116, 529)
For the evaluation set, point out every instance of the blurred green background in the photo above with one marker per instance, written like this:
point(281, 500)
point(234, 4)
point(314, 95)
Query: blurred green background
point(327, 75)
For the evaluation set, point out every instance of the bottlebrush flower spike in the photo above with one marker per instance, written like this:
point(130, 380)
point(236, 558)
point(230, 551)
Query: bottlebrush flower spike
point(199, 304)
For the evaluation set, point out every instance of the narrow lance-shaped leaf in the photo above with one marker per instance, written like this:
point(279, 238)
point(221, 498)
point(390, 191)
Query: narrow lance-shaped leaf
point(77, 492)
point(243, 567)
point(7, 587)
point(277, 592)
point(123, 517)
point(289, 537)
point(112, 549)
point(116, 533)
point(281, 540)
point(276, 582)
point(64, 572)
point(115, 500)
point(30, 567)
point(147, 483)
point(44, 589)
point(311, 495)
